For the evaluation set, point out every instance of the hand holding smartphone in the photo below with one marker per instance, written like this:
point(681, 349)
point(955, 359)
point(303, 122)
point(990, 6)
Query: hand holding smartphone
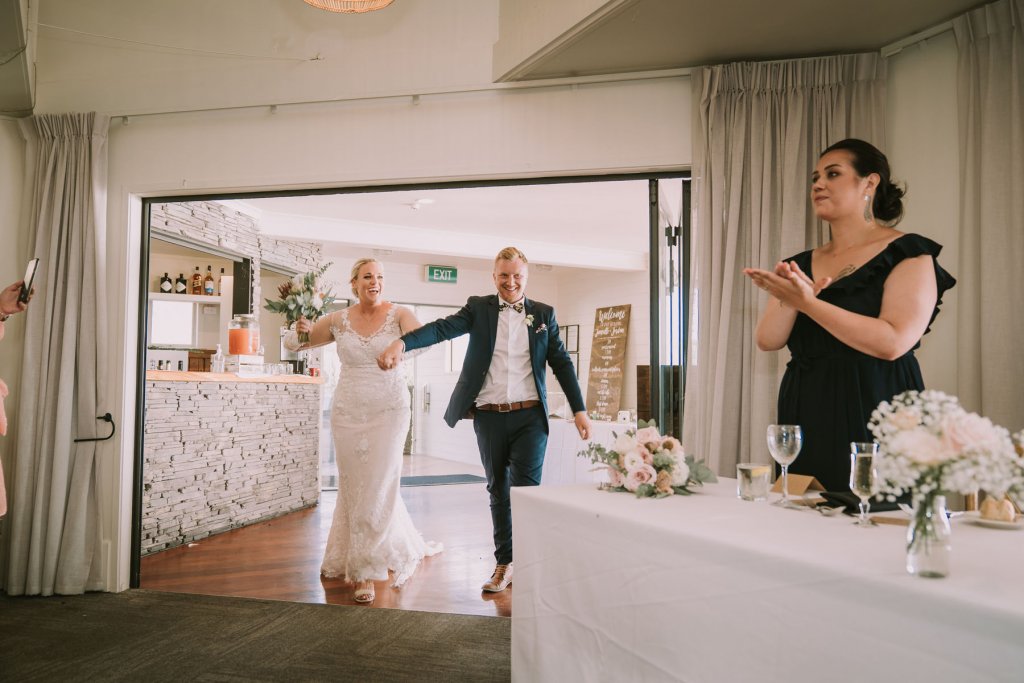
point(26, 285)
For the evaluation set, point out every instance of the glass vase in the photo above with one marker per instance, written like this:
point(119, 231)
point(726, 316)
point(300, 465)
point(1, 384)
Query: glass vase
point(928, 538)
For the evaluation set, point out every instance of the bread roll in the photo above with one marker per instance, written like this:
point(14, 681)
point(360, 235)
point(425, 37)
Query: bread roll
point(999, 510)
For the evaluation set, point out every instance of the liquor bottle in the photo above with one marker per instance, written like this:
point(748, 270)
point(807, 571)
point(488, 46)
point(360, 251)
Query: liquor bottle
point(208, 281)
point(197, 282)
point(220, 281)
point(181, 284)
point(166, 285)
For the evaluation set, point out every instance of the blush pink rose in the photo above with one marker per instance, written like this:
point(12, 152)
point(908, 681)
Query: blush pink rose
point(920, 446)
point(644, 474)
point(967, 431)
point(649, 435)
point(906, 418)
point(615, 478)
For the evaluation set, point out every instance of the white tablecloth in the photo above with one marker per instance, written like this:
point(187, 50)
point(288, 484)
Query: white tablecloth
point(710, 588)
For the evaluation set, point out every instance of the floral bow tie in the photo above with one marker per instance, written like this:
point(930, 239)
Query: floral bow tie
point(518, 307)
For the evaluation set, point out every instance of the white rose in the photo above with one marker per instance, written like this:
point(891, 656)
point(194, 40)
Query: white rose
point(632, 460)
point(318, 301)
point(680, 473)
point(624, 443)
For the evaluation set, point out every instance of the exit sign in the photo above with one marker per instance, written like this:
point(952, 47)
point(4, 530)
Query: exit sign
point(447, 274)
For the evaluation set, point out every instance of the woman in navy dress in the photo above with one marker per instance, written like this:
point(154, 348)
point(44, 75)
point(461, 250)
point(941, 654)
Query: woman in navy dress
point(851, 312)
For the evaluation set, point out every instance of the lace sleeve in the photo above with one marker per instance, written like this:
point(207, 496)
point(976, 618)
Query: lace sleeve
point(407, 355)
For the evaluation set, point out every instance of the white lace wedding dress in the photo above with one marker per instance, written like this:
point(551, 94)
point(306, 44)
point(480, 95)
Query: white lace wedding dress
point(372, 531)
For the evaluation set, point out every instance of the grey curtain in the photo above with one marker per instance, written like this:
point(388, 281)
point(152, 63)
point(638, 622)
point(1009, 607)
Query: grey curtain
point(757, 131)
point(54, 517)
point(990, 93)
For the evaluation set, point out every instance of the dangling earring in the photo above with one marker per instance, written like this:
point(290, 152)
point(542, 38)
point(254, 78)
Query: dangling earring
point(867, 208)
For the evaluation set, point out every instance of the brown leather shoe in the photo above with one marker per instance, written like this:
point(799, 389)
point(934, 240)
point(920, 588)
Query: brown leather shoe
point(500, 579)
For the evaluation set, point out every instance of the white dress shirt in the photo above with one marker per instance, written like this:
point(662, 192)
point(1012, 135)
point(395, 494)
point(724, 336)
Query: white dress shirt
point(510, 376)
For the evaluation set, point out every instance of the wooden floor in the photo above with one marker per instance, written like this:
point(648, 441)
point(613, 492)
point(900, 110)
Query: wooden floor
point(280, 559)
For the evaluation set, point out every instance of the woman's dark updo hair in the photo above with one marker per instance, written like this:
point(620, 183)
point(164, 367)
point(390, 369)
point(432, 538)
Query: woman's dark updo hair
point(867, 159)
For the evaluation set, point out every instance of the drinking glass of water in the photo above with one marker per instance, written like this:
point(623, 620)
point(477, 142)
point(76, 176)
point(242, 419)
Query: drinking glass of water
point(784, 443)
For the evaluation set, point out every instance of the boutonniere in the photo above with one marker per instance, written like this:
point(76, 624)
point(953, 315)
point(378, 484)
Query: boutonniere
point(529, 320)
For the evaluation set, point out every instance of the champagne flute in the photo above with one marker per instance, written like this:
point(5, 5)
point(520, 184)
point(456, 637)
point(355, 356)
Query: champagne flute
point(863, 477)
point(784, 442)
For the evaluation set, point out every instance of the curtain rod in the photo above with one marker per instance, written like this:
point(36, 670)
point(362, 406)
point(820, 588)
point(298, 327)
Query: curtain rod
point(415, 96)
point(919, 37)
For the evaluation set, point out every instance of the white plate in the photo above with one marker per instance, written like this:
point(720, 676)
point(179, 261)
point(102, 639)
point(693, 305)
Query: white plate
point(975, 517)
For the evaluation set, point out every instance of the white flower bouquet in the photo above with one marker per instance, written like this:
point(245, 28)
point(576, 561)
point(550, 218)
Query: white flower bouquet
point(930, 445)
point(648, 464)
point(304, 296)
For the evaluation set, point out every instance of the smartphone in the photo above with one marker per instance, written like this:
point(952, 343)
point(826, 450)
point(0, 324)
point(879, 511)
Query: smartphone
point(30, 275)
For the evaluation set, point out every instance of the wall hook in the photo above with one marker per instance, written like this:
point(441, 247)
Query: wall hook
point(113, 428)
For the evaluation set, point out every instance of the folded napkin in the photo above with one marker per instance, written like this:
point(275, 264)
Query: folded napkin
point(852, 502)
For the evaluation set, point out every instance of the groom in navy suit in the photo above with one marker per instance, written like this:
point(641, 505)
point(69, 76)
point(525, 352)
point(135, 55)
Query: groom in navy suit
point(502, 388)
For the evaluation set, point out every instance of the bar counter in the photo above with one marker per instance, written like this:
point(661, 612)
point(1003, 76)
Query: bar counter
point(222, 451)
point(180, 376)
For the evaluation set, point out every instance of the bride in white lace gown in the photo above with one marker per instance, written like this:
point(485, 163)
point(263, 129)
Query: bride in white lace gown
point(372, 531)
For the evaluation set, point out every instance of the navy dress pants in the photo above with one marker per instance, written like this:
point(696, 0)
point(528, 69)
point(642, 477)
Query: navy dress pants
point(512, 449)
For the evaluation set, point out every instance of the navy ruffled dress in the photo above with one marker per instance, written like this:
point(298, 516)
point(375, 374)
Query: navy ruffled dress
point(829, 388)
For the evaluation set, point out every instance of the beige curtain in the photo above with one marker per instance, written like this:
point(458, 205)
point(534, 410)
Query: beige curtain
point(990, 91)
point(54, 517)
point(757, 131)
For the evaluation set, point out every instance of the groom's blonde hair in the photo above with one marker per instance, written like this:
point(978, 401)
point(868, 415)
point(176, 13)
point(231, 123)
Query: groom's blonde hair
point(510, 254)
point(355, 272)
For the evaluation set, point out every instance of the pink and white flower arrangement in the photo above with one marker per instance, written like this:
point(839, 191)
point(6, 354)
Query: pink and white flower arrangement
point(930, 445)
point(648, 464)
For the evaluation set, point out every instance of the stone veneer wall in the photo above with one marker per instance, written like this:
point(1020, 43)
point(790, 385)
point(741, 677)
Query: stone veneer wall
point(220, 455)
point(233, 231)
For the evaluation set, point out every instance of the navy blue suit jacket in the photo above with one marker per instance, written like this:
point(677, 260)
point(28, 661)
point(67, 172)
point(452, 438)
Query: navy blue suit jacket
point(479, 319)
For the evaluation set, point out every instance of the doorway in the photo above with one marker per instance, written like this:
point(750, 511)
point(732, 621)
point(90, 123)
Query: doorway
point(576, 289)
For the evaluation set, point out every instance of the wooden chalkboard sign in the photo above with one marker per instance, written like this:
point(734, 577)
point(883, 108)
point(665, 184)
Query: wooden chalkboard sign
point(607, 360)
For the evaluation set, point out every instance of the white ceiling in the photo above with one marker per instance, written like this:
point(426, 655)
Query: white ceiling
point(581, 224)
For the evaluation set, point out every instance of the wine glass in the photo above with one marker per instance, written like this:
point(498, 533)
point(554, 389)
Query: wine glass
point(863, 477)
point(784, 442)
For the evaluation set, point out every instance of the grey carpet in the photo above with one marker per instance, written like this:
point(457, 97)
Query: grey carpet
point(149, 636)
point(438, 479)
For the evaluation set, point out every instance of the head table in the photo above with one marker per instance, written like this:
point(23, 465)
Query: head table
point(707, 587)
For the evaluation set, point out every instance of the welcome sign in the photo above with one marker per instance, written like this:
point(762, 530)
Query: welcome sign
point(607, 361)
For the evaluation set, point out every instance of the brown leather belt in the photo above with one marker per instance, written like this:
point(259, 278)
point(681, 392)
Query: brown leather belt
point(507, 407)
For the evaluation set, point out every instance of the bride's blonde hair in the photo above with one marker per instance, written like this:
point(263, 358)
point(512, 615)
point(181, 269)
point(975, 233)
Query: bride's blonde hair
point(355, 272)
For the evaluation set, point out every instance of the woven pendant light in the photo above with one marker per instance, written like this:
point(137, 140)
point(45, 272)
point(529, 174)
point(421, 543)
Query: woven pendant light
point(349, 6)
